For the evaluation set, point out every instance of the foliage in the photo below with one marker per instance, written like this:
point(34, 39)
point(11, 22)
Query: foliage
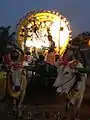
point(82, 38)
point(6, 39)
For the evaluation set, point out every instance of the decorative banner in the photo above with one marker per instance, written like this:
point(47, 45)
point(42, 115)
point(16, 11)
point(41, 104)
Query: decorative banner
point(34, 28)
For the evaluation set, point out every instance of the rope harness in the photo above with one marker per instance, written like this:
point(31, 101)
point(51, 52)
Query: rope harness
point(73, 92)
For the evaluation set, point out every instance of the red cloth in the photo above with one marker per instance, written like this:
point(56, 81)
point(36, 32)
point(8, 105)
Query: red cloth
point(7, 59)
point(50, 58)
point(63, 62)
point(16, 65)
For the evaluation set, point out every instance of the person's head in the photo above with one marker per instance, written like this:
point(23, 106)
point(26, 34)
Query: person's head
point(41, 57)
point(56, 58)
point(76, 56)
point(28, 53)
point(51, 50)
point(14, 55)
point(49, 37)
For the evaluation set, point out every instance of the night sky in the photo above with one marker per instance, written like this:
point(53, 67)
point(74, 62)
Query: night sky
point(77, 11)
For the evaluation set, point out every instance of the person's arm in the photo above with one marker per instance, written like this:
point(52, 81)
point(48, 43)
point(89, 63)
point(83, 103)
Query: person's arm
point(7, 59)
point(36, 53)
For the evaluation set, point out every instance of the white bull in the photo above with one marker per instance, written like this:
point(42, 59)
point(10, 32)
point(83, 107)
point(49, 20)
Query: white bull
point(17, 78)
point(67, 82)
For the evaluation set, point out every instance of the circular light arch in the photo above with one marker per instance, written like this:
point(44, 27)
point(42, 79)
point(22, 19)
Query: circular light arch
point(59, 28)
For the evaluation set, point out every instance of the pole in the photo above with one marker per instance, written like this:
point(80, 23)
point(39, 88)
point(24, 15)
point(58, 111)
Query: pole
point(59, 36)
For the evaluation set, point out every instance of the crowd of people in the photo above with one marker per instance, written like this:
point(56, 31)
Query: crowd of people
point(16, 59)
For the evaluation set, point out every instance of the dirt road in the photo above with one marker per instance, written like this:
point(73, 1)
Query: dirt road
point(44, 106)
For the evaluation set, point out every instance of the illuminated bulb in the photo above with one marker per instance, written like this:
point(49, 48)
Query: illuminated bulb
point(57, 13)
point(70, 31)
point(49, 11)
point(47, 23)
point(64, 19)
point(53, 12)
point(23, 33)
point(22, 27)
point(67, 23)
point(20, 33)
point(70, 39)
point(20, 40)
point(70, 35)
point(37, 17)
point(60, 17)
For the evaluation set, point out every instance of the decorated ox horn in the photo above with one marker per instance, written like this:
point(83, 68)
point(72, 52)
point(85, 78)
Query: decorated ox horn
point(73, 63)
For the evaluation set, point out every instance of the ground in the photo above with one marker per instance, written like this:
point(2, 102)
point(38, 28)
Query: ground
point(44, 106)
